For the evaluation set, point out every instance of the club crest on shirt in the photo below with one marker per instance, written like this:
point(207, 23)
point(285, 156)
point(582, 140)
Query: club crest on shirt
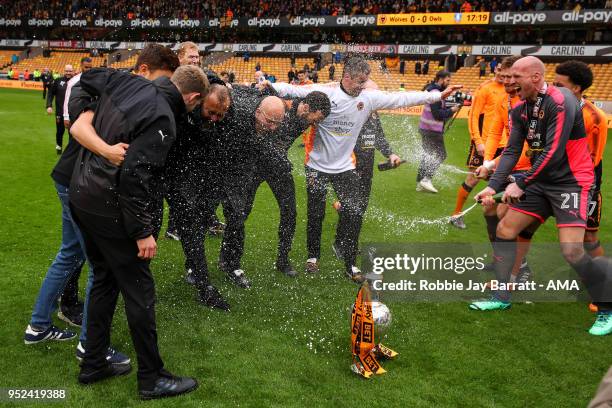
point(541, 114)
point(360, 106)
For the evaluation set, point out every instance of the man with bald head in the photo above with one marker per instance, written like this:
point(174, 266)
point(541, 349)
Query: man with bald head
point(259, 78)
point(269, 114)
point(274, 168)
point(214, 162)
point(550, 120)
point(242, 140)
point(57, 90)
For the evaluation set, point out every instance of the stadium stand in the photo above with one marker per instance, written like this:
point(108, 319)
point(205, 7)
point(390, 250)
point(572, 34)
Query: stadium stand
point(56, 62)
point(126, 63)
point(392, 79)
point(5, 57)
point(265, 8)
point(389, 79)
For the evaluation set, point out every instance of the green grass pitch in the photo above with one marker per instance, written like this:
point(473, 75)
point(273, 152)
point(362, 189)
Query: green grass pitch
point(286, 342)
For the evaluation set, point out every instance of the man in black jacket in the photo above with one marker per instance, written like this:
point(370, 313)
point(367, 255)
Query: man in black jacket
point(47, 80)
point(192, 194)
point(259, 156)
point(116, 206)
point(57, 90)
point(236, 149)
point(154, 61)
point(273, 167)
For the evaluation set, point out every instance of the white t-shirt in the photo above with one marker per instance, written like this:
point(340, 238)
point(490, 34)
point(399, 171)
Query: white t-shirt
point(336, 135)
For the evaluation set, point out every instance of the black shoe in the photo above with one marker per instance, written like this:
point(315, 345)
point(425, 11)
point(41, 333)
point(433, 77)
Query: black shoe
point(210, 296)
point(71, 314)
point(238, 278)
point(111, 370)
point(286, 268)
point(169, 386)
point(58, 149)
point(524, 274)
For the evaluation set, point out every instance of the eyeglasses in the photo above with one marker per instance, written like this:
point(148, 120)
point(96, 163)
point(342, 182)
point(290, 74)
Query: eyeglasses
point(268, 119)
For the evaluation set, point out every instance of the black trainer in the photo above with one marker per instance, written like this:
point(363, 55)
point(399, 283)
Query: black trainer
point(238, 278)
point(33, 336)
point(71, 314)
point(168, 385)
point(524, 273)
point(210, 296)
point(111, 370)
point(286, 268)
point(112, 356)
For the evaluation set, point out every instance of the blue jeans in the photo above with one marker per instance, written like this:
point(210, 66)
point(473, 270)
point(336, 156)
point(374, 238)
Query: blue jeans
point(69, 259)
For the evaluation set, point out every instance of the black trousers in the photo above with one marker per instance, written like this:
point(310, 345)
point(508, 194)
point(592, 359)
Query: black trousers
point(365, 171)
point(347, 186)
point(238, 205)
point(174, 214)
point(194, 214)
point(59, 130)
point(117, 269)
point(434, 153)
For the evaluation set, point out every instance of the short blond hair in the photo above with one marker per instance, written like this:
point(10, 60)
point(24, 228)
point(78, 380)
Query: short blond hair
point(184, 46)
point(189, 79)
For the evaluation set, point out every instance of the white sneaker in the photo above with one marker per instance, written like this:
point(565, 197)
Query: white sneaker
point(425, 185)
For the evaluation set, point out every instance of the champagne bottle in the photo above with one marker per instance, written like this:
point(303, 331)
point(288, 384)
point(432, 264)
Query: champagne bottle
point(496, 197)
point(384, 166)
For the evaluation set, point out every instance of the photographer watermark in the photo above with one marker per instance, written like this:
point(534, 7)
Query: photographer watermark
point(450, 272)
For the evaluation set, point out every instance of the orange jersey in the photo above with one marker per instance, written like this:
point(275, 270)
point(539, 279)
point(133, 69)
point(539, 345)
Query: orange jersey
point(595, 124)
point(308, 139)
point(498, 131)
point(483, 109)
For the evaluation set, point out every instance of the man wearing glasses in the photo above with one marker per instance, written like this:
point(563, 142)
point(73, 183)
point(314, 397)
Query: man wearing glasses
point(235, 149)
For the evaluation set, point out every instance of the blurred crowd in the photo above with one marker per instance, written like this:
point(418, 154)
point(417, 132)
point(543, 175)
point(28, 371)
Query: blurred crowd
point(184, 9)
